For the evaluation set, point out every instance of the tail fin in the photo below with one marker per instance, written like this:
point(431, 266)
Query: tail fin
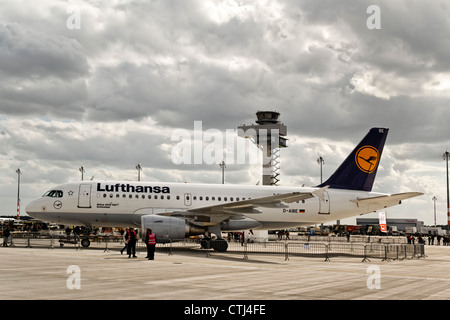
point(358, 171)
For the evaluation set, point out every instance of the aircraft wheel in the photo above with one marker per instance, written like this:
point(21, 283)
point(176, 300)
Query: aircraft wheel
point(219, 245)
point(85, 243)
point(205, 244)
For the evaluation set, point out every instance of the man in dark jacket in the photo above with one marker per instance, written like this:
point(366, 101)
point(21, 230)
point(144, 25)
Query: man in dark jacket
point(130, 237)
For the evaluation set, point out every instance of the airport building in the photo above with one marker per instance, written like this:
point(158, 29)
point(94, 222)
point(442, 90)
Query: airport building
point(401, 224)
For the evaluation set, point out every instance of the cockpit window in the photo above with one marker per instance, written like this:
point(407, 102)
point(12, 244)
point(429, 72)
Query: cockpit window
point(54, 194)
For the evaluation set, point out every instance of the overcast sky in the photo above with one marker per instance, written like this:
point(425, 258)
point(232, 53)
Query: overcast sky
point(104, 84)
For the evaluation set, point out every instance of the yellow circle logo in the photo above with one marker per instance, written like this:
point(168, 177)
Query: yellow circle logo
point(367, 159)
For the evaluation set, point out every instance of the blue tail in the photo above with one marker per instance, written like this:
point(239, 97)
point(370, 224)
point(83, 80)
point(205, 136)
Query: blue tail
point(358, 171)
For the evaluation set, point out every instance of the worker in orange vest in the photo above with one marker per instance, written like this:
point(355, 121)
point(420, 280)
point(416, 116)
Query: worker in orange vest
point(150, 241)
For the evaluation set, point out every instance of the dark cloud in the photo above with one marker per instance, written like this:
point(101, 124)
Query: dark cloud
point(109, 94)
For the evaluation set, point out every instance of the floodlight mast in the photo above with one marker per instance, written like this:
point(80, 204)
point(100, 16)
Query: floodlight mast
point(446, 156)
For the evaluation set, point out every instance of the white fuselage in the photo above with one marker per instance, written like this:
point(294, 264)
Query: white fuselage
point(121, 204)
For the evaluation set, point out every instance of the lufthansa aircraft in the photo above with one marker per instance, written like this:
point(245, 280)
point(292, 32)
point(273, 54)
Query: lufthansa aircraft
point(176, 210)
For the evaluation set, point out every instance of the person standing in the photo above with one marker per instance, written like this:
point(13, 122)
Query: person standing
point(130, 237)
point(6, 234)
point(150, 241)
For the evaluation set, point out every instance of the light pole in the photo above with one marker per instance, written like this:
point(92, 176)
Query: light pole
point(18, 192)
point(223, 166)
point(445, 156)
point(320, 161)
point(139, 169)
point(434, 200)
point(82, 172)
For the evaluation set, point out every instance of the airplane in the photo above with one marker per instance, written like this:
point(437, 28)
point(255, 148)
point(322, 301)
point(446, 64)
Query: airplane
point(175, 211)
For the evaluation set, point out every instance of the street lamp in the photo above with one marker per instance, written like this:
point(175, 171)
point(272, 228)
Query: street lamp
point(445, 156)
point(139, 169)
point(434, 200)
point(223, 166)
point(18, 192)
point(320, 161)
point(82, 172)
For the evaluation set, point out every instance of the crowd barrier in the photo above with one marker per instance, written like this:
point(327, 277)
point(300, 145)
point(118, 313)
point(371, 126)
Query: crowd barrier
point(283, 248)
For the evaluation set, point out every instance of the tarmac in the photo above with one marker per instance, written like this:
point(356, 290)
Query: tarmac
point(97, 274)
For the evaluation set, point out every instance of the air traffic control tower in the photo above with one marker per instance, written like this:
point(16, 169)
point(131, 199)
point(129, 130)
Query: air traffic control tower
point(269, 135)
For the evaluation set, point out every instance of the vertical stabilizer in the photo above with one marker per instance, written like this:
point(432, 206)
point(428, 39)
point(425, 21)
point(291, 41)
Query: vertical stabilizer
point(358, 171)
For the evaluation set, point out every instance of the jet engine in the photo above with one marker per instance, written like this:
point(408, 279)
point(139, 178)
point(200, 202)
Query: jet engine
point(166, 228)
point(244, 223)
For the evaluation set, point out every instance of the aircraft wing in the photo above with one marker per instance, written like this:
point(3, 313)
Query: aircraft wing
point(386, 200)
point(211, 215)
point(245, 206)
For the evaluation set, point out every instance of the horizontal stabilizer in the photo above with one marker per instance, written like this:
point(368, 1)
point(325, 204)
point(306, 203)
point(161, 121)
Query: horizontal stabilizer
point(386, 200)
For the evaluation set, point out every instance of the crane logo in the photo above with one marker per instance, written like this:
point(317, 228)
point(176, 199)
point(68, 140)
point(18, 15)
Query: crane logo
point(367, 159)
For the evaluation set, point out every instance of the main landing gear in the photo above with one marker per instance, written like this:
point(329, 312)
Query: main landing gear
point(219, 245)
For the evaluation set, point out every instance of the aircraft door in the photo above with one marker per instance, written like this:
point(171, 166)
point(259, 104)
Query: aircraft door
point(187, 199)
point(84, 196)
point(324, 203)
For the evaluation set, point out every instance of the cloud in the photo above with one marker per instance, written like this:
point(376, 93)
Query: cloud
point(110, 94)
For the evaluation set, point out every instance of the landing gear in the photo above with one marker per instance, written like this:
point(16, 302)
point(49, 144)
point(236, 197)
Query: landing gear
point(219, 245)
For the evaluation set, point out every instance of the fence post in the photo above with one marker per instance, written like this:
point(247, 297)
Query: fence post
point(106, 247)
point(170, 247)
point(29, 240)
point(78, 240)
point(386, 254)
point(326, 253)
point(51, 242)
point(365, 259)
point(245, 251)
point(286, 252)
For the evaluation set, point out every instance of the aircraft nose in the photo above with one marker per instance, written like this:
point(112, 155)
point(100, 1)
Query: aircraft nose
point(33, 207)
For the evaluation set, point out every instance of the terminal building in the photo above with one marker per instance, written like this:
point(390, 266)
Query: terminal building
point(401, 224)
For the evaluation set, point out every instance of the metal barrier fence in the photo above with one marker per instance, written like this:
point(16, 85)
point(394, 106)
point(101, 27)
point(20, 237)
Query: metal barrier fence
point(286, 249)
